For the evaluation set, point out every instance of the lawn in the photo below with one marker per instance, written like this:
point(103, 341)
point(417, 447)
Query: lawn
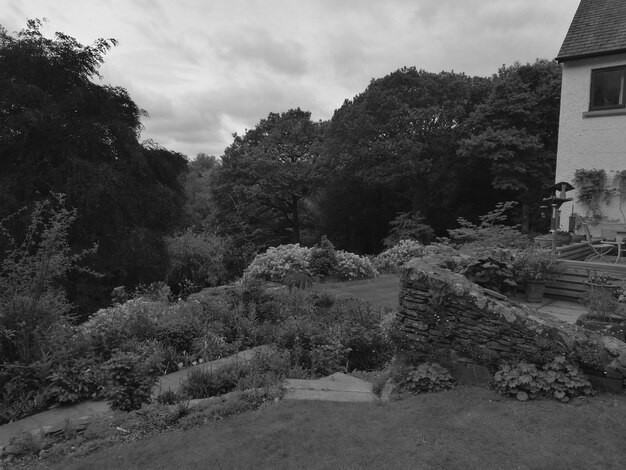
point(382, 291)
point(466, 428)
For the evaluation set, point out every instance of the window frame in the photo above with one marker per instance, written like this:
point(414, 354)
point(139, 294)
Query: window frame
point(622, 104)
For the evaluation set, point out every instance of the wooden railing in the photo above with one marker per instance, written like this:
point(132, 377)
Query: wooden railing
point(571, 281)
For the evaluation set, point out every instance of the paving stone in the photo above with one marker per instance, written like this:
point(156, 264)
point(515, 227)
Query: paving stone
point(335, 387)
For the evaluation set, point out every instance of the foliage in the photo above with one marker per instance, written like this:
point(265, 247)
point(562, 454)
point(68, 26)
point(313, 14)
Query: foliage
point(280, 263)
point(427, 377)
point(196, 259)
point(393, 258)
point(558, 379)
point(592, 191)
point(265, 179)
point(515, 132)
point(323, 258)
point(129, 380)
point(490, 233)
point(535, 264)
point(490, 273)
point(351, 266)
point(62, 132)
point(204, 382)
point(408, 226)
point(619, 186)
point(392, 149)
point(33, 268)
point(277, 262)
point(75, 381)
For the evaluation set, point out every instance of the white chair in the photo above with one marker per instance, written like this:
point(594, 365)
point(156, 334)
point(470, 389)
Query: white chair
point(600, 250)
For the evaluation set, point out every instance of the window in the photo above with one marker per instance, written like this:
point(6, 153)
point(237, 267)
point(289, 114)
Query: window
point(607, 88)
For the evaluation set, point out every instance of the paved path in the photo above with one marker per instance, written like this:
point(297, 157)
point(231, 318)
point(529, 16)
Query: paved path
point(335, 387)
point(82, 413)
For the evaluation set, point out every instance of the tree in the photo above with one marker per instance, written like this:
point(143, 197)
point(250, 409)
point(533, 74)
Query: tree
point(515, 132)
point(265, 179)
point(62, 133)
point(392, 149)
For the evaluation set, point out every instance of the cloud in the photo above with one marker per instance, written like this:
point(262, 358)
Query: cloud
point(204, 70)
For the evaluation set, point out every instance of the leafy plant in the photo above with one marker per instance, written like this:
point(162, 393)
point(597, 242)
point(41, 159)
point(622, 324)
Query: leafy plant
point(205, 382)
point(534, 264)
point(557, 379)
point(490, 273)
point(427, 377)
point(392, 259)
point(592, 190)
point(408, 226)
point(490, 233)
point(129, 380)
point(323, 258)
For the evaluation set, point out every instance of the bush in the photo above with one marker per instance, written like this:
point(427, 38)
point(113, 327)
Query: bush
point(392, 259)
point(323, 258)
point(427, 377)
point(408, 226)
point(129, 380)
point(205, 383)
point(196, 260)
point(491, 274)
point(557, 379)
point(277, 262)
point(351, 266)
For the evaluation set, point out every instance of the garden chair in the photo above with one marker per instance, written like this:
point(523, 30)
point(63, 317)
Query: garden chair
point(600, 250)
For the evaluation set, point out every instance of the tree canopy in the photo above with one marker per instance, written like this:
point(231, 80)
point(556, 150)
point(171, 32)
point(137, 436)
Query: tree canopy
point(60, 132)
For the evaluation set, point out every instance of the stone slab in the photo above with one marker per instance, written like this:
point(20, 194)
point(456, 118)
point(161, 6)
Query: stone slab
point(335, 387)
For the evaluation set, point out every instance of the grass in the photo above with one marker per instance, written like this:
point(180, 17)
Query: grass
point(381, 292)
point(466, 428)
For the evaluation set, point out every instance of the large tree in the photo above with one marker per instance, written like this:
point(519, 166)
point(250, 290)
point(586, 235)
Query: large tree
point(61, 132)
point(393, 149)
point(515, 131)
point(265, 178)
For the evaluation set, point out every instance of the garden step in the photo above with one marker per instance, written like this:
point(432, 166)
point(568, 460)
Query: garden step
point(335, 387)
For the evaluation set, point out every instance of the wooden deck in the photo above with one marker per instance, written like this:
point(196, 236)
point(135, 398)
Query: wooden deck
point(570, 282)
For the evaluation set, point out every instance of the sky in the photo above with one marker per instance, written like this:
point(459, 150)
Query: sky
point(204, 69)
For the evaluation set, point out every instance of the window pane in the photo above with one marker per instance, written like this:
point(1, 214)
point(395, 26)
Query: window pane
point(607, 88)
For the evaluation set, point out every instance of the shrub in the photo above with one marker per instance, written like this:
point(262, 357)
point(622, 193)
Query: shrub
point(196, 260)
point(351, 266)
point(427, 377)
point(129, 380)
point(323, 258)
point(392, 259)
point(558, 379)
point(490, 233)
point(490, 273)
point(277, 262)
point(408, 226)
point(32, 271)
point(205, 382)
point(74, 380)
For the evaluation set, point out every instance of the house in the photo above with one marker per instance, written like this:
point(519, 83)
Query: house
point(592, 124)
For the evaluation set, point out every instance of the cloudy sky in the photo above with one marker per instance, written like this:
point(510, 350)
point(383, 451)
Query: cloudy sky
point(204, 69)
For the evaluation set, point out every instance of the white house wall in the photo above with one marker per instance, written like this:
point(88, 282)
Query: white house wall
point(588, 141)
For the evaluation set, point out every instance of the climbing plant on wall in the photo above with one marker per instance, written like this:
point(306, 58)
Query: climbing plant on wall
point(592, 190)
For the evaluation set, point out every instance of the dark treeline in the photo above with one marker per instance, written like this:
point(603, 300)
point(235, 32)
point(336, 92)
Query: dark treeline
point(414, 145)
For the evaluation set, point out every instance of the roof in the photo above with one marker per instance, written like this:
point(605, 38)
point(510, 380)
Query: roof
point(598, 28)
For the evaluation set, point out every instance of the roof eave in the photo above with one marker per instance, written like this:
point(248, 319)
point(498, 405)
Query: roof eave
point(566, 58)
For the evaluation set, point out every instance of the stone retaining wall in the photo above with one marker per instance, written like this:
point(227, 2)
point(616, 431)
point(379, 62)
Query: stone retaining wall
point(441, 310)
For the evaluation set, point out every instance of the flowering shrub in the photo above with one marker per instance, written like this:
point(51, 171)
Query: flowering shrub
point(351, 266)
point(277, 262)
point(392, 259)
point(281, 263)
